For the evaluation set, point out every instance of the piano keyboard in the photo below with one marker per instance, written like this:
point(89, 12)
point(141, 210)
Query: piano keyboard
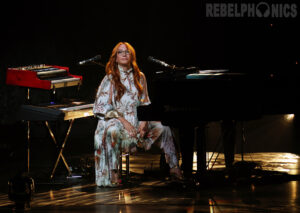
point(65, 82)
point(55, 112)
point(42, 76)
point(46, 72)
point(79, 111)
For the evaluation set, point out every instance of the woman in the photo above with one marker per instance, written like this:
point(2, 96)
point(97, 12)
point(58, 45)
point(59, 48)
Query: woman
point(121, 91)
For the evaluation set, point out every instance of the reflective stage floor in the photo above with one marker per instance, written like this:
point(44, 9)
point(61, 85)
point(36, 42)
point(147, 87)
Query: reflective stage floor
point(274, 187)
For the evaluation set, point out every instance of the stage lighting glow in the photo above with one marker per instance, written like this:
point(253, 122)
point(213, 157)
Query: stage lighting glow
point(289, 117)
point(86, 114)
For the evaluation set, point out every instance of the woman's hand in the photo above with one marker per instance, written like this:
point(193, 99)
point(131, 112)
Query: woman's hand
point(143, 128)
point(130, 129)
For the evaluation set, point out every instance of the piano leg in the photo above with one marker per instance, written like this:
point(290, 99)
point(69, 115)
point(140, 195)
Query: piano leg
point(186, 137)
point(229, 134)
point(189, 136)
point(200, 140)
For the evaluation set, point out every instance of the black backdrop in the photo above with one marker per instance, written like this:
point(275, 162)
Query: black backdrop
point(65, 32)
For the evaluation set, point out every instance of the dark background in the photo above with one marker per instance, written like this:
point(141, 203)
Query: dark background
point(66, 32)
point(63, 33)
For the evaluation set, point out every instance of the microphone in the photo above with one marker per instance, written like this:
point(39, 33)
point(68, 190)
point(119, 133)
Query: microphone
point(97, 57)
point(162, 63)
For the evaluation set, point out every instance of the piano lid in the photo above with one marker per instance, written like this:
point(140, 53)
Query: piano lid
point(214, 75)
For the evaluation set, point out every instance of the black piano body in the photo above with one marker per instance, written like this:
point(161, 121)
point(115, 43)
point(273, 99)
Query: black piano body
point(187, 100)
point(219, 95)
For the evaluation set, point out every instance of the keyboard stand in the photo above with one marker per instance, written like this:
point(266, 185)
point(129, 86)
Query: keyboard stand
point(31, 113)
point(60, 148)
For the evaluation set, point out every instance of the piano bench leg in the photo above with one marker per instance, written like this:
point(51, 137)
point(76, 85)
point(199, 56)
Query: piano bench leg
point(127, 163)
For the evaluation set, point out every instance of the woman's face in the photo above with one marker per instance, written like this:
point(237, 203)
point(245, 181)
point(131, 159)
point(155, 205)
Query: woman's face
point(123, 55)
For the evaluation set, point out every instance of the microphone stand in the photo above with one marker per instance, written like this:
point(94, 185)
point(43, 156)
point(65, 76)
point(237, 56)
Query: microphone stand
point(177, 72)
point(98, 63)
point(172, 71)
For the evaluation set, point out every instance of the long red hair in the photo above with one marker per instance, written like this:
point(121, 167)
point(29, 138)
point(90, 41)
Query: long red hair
point(112, 69)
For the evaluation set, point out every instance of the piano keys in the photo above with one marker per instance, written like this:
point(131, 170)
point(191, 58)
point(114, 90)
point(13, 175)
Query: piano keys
point(79, 111)
point(42, 76)
point(55, 112)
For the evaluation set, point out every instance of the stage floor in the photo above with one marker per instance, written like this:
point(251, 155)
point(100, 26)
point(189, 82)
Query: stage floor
point(272, 187)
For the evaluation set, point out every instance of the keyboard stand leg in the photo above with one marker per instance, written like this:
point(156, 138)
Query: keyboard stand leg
point(60, 155)
point(28, 146)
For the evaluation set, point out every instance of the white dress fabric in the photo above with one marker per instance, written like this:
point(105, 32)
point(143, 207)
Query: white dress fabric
point(111, 137)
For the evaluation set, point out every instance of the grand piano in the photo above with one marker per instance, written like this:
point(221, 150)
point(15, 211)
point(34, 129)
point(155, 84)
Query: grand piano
point(189, 99)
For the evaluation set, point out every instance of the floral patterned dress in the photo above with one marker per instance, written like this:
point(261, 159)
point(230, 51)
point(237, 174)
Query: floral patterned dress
point(110, 135)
